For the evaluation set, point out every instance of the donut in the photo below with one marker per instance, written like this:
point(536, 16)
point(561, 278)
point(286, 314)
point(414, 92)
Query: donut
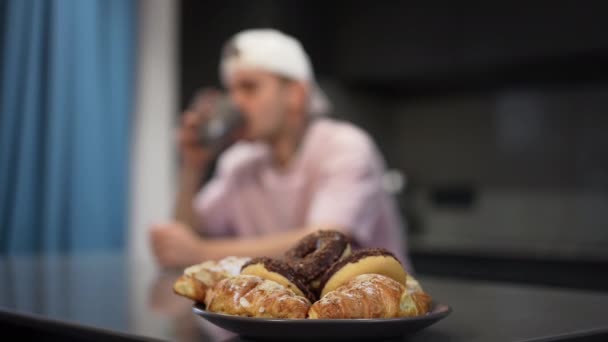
point(363, 261)
point(316, 252)
point(278, 271)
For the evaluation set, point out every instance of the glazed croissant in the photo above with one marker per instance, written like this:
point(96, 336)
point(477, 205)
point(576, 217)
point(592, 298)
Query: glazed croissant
point(252, 296)
point(370, 296)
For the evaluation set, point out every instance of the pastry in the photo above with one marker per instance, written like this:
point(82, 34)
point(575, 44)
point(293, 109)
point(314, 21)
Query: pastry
point(412, 284)
point(198, 279)
point(253, 296)
point(415, 303)
point(281, 272)
point(316, 252)
point(369, 296)
point(364, 261)
point(367, 283)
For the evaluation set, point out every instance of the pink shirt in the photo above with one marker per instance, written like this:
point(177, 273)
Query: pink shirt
point(336, 178)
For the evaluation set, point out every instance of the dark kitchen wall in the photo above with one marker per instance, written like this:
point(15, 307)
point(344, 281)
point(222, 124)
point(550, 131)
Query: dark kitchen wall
point(462, 41)
point(426, 46)
point(495, 115)
point(206, 25)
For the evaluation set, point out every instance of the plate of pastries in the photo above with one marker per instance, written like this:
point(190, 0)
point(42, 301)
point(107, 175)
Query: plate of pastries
point(320, 288)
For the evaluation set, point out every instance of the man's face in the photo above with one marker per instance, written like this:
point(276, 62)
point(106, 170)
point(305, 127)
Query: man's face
point(262, 98)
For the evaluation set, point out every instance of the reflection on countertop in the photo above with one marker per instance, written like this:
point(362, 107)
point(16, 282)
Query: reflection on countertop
point(136, 298)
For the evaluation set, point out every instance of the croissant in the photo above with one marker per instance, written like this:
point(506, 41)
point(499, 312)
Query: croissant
point(414, 303)
point(197, 280)
point(370, 296)
point(252, 296)
point(190, 287)
point(412, 284)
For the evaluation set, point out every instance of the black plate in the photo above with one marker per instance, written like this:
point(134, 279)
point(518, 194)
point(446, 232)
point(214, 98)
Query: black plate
point(314, 329)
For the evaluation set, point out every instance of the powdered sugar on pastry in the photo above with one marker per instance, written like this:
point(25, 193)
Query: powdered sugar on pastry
point(367, 296)
point(253, 296)
point(230, 266)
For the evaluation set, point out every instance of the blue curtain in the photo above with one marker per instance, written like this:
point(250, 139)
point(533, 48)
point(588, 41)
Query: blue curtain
point(66, 73)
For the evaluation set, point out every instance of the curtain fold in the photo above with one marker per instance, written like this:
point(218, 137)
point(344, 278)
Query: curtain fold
point(65, 116)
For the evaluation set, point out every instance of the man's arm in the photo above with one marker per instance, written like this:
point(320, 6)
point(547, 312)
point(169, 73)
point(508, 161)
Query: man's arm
point(177, 245)
point(273, 244)
point(194, 164)
point(189, 183)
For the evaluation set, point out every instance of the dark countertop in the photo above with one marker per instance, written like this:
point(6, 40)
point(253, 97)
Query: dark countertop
point(128, 298)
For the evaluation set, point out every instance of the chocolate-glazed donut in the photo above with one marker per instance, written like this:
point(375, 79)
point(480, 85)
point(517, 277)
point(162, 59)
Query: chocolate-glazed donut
point(316, 252)
point(363, 261)
point(281, 272)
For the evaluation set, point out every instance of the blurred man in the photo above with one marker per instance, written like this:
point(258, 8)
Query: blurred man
point(293, 171)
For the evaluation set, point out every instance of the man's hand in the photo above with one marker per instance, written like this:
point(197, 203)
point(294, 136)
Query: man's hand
point(176, 245)
point(194, 155)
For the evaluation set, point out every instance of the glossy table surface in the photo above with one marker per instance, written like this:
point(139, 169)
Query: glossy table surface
point(130, 298)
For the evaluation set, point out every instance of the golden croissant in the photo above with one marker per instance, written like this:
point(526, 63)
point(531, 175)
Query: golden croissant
point(370, 296)
point(252, 296)
point(199, 279)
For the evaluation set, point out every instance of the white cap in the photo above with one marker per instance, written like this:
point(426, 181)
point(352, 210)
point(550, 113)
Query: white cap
point(276, 52)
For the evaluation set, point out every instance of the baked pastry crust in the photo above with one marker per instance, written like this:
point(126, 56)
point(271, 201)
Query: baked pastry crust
point(363, 261)
point(198, 279)
point(281, 272)
point(253, 296)
point(316, 252)
point(370, 296)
